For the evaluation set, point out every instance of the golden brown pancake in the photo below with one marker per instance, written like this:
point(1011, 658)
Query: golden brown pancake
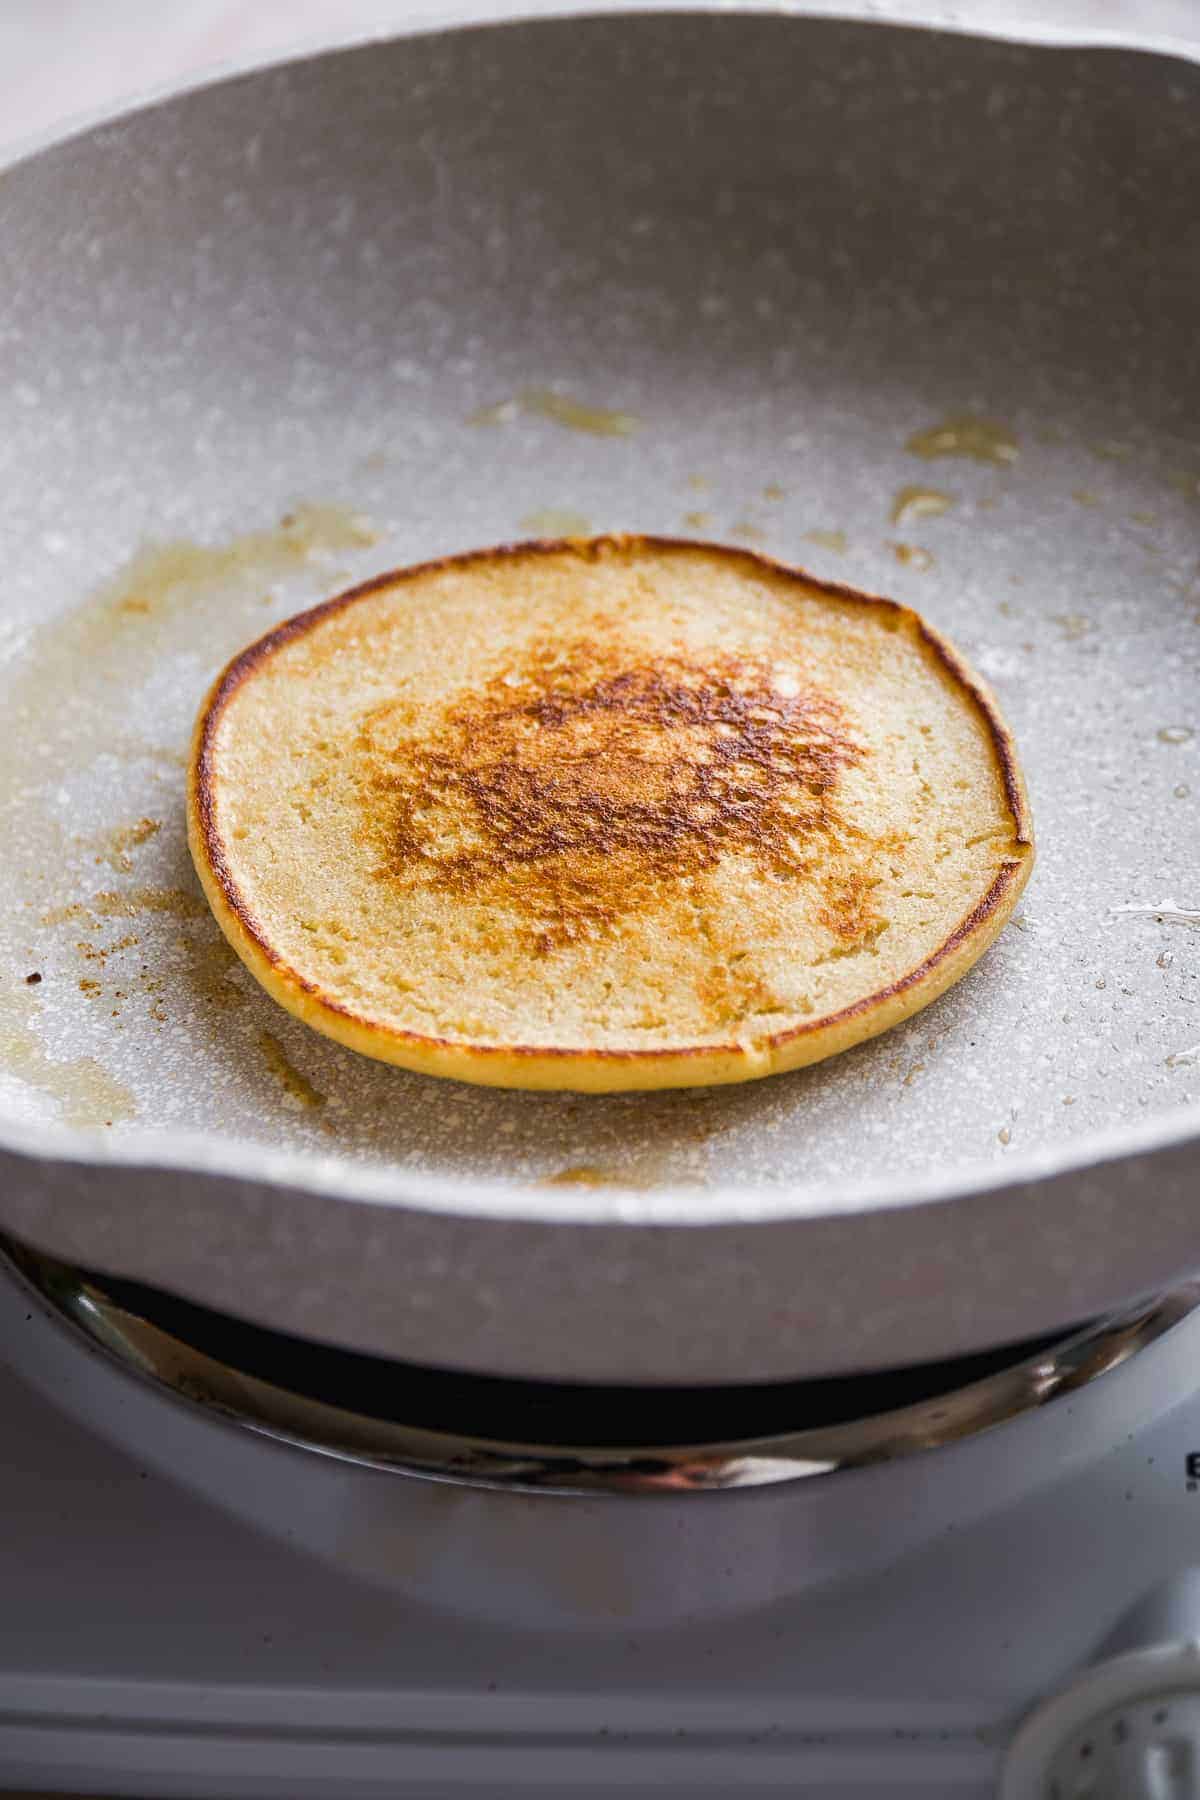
point(603, 814)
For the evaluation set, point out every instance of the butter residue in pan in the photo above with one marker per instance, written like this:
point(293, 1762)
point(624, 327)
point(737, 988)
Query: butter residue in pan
point(967, 435)
point(561, 409)
point(88, 1095)
point(919, 503)
point(912, 556)
point(298, 1090)
point(176, 602)
point(556, 522)
point(116, 847)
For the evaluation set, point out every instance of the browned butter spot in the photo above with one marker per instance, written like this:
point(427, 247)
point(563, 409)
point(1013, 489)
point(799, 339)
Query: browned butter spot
point(588, 784)
point(87, 1094)
point(116, 847)
point(297, 1088)
point(127, 904)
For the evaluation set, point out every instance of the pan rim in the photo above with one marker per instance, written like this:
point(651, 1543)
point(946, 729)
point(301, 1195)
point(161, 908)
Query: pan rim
point(530, 1202)
point(722, 1205)
point(456, 16)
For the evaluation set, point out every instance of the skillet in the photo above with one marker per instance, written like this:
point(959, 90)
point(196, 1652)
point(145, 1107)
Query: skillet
point(916, 309)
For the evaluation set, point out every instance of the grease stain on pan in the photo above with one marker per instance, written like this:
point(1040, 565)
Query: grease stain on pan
point(561, 409)
point(556, 522)
point(912, 556)
point(298, 1091)
point(171, 614)
point(645, 1171)
point(967, 435)
point(169, 599)
point(129, 904)
point(162, 577)
point(116, 847)
point(1109, 450)
point(88, 1096)
point(919, 503)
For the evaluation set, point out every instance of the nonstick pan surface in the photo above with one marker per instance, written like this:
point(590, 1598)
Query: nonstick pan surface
point(914, 309)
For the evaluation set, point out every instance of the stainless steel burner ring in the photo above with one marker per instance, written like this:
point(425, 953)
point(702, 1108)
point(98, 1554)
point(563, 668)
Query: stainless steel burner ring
point(273, 1411)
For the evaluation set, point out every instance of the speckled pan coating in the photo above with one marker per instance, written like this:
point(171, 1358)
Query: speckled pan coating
point(769, 251)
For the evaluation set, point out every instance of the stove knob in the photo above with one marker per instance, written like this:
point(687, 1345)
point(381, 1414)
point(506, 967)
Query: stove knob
point(1127, 1727)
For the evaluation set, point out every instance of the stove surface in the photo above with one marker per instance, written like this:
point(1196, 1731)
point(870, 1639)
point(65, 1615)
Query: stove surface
point(153, 1643)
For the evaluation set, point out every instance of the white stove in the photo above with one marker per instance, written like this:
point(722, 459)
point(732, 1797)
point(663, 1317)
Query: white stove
point(194, 1607)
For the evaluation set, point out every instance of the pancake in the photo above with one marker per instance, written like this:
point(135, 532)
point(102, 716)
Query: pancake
point(606, 814)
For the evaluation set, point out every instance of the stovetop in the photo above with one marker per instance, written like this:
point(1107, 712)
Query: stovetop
point(895, 1625)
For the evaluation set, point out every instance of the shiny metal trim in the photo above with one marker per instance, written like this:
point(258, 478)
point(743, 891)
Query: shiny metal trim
point(188, 1375)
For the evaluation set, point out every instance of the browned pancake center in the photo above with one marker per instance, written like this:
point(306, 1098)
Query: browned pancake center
point(584, 785)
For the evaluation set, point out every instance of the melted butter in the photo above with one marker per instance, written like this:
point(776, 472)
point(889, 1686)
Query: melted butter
point(747, 530)
point(967, 435)
point(651, 1169)
point(555, 521)
point(919, 503)
point(87, 1094)
point(98, 711)
point(837, 541)
point(502, 413)
point(1108, 450)
point(912, 556)
point(162, 577)
point(577, 415)
point(697, 521)
point(170, 598)
point(774, 492)
point(1073, 626)
point(116, 846)
point(1176, 734)
point(562, 409)
point(173, 599)
point(1085, 497)
point(297, 1089)
point(699, 484)
point(1186, 481)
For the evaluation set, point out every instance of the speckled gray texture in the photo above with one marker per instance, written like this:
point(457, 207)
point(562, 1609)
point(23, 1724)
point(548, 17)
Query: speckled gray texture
point(785, 246)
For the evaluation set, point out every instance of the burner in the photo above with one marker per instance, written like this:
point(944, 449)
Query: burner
point(494, 1431)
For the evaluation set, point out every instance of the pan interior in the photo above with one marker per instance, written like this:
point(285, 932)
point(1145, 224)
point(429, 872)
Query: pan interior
point(915, 310)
